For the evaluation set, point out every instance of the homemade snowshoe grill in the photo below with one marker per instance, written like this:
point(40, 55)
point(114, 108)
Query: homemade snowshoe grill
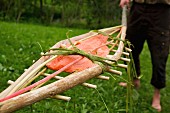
point(85, 56)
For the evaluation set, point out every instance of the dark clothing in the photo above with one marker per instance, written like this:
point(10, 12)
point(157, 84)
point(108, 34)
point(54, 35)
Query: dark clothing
point(153, 1)
point(150, 22)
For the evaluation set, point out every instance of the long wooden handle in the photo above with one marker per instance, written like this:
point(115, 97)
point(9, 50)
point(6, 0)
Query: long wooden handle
point(124, 16)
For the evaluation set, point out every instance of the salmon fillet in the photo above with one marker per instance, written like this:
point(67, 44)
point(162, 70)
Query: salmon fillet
point(94, 45)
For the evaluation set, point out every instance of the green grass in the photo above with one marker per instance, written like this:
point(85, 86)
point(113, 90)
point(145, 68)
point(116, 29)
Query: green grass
point(20, 44)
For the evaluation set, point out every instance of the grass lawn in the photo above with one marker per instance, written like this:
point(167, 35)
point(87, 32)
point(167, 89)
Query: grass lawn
point(20, 44)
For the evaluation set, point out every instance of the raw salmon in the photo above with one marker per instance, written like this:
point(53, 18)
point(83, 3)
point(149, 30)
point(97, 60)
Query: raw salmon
point(95, 45)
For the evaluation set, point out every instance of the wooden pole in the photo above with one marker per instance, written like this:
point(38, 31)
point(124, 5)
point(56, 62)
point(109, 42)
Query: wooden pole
point(50, 90)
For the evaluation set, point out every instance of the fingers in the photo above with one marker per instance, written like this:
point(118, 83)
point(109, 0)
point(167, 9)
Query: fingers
point(123, 3)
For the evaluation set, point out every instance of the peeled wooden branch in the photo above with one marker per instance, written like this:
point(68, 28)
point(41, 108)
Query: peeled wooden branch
point(122, 65)
point(128, 49)
point(103, 77)
point(61, 97)
point(125, 59)
point(114, 71)
point(124, 53)
point(10, 82)
point(50, 90)
point(56, 77)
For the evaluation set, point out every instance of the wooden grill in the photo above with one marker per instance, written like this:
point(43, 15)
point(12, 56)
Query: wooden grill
point(118, 52)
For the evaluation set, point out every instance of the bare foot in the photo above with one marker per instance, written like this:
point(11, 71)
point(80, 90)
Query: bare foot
point(156, 100)
point(123, 84)
point(136, 83)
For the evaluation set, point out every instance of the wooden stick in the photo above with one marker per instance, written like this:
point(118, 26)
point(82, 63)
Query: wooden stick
point(114, 71)
point(50, 90)
point(89, 85)
point(128, 49)
point(122, 66)
point(125, 59)
point(103, 77)
point(10, 82)
point(61, 97)
point(56, 77)
point(116, 41)
point(115, 31)
point(124, 53)
point(110, 29)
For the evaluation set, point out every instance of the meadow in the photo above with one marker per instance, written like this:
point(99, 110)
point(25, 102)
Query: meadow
point(20, 44)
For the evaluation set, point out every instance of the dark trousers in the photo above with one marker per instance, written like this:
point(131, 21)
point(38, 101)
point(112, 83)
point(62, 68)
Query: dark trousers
point(150, 23)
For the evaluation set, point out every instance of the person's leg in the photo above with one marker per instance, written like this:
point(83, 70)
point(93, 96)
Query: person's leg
point(137, 42)
point(158, 43)
point(156, 100)
point(136, 30)
point(159, 54)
